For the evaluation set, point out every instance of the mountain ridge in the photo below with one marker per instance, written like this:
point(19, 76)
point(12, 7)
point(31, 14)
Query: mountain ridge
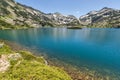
point(15, 15)
point(106, 17)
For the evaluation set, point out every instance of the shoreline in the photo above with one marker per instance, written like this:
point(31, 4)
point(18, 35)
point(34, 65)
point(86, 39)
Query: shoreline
point(16, 56)
point(73, 71)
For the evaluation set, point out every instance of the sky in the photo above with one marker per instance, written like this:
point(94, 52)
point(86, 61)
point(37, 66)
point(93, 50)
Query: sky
point(70, 7)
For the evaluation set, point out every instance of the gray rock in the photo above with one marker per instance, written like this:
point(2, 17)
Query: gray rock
point(4, 63)
point(14, 56)
point(1, 45)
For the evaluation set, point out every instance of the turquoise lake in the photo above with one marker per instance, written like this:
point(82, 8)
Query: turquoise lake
point(92, 48)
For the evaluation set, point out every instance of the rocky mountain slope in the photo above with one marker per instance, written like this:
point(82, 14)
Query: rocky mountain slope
point(63, 20)
point(15, 15)
point(106, 17)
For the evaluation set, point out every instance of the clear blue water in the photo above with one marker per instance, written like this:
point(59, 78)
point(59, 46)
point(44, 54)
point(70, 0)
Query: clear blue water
point(93, 48)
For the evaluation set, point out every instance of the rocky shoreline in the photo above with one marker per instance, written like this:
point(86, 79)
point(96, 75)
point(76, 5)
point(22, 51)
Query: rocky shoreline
point(68, 68)
point(75, 72)
point(14, 60)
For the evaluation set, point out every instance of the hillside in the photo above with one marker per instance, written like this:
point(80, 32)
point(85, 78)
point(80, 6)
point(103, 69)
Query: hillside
point(15, 15)
point(22, 65)
point(106, 17)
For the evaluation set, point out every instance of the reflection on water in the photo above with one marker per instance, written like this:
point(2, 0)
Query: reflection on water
point(91, 48)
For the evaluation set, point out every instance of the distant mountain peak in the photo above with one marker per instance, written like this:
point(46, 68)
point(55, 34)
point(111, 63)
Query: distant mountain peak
point(57, 13)
point(106, 8)
point(106, 17)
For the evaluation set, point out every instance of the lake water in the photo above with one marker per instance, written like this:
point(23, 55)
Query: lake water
point(95, 49)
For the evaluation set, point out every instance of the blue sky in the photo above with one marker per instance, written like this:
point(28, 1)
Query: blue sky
point(70, 7)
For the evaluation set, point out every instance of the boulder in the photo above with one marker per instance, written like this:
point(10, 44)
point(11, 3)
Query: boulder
point(1, 45)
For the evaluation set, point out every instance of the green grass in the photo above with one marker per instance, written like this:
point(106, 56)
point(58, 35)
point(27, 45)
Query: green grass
point(28, 56)
point(31, 70)
point(5, 50)
point(30, 67)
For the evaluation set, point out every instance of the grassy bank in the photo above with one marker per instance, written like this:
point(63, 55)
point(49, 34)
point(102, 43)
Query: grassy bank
point(22, 65)
point(19, 64)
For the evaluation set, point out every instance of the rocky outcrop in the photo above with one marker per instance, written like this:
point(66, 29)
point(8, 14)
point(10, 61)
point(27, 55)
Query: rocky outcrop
point(1, 45)
point(4, 63)
point(5, 60)
point(14, 56)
